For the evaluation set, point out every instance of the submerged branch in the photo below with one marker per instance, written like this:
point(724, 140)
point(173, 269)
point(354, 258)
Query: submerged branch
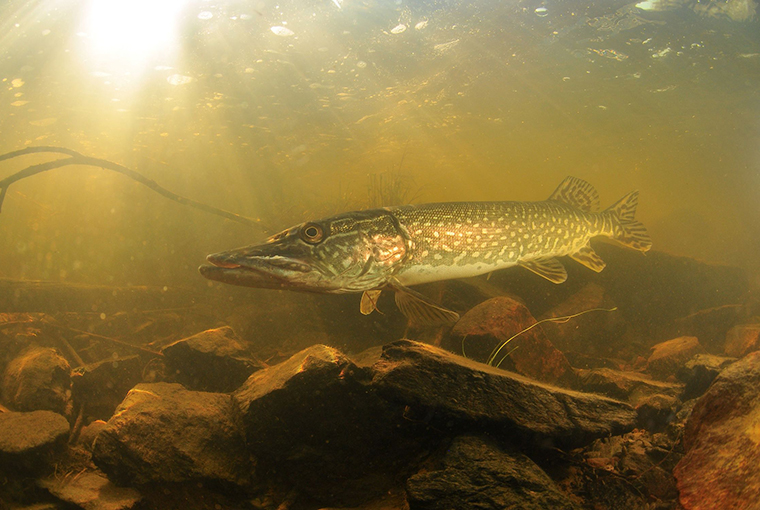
point(76, 158)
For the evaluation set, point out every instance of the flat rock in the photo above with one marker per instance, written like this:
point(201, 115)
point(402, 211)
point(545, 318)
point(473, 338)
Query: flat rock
point(214, 360)
point(317, 421)
point(721, 468)
point(667, 357)
point(102, 386)
point(38, 379)
point(477, 474)
point(449, 388)
point(628, 386)
point(162, 432)
point(742, 339)
point(91, 491)
point(495, 321)
point(29, 440)
point(699, 372)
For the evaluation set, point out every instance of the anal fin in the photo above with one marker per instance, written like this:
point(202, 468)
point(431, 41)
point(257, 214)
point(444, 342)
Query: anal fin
point(369, 301)
point(588, 257)
point(420, 310)
point(546, 267)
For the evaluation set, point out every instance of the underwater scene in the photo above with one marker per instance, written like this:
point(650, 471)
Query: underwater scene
point(380, 254)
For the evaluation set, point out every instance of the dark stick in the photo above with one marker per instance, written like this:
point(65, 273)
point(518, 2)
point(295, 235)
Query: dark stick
point(79, 159)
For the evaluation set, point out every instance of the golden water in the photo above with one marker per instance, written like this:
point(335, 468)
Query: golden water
point(291, 110)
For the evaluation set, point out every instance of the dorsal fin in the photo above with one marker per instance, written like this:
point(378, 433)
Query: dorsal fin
point(578, 193)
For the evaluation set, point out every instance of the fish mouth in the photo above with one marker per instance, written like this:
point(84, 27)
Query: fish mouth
point(253, 271)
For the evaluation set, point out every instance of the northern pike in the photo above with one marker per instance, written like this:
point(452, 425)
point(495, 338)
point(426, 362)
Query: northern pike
point(397, 247)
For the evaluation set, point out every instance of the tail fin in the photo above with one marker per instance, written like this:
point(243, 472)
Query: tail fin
point(630, 233)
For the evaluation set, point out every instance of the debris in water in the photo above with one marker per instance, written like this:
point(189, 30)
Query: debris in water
point(422, 24)
point(205, 15)
point(179, 79)
point(282, 31)
point(398, 29)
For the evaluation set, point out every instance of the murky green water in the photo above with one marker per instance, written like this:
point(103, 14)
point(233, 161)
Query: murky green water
point(293, 110)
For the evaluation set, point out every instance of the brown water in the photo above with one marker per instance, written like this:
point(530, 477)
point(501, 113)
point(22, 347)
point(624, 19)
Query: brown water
point(293, 110)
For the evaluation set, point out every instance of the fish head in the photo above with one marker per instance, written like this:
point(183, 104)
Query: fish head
point(352, 252)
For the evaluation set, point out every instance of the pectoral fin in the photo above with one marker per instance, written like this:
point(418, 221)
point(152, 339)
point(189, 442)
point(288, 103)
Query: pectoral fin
point(588, 257)
point(547, 267)
point(420, 310)
point(369, 301)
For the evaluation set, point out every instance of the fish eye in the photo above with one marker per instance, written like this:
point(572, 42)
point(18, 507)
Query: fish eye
point(312, 233)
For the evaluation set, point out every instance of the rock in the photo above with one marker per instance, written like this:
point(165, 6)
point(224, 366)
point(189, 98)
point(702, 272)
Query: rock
point(91, 491)
point(476, 474)
point(102, 386)
point(309, 416)
point(742, 339)
point(162, 432)
point(583, 333)
point(667, 357)
point(640, 464)
point(656, 412)
point(29, 441)
point(710, 325)
point(699, 372)
point(721, 442)
point(486, 326)
point(38, 379)
point(89, 432)
point(214, 360)
point(628, 386)
point(447, 388)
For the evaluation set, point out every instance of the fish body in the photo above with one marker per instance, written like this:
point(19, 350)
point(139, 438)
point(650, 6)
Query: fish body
point(397, 247)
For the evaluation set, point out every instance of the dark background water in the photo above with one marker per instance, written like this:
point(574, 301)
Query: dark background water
point(448, 100)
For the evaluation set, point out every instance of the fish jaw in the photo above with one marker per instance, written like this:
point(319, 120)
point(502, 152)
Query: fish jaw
point(262, 267)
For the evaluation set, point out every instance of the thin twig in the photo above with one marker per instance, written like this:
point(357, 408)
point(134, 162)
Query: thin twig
point(114, 340)
point(76, 158)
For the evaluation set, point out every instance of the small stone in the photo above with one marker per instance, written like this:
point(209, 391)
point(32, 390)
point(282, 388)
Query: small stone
point(91, 491)
point(668, 357)
point(214, 360)
point(28, 441)
point(38, 379)
point(742, 339)
point(656, 412)
point(477, 474)
point(88, 433)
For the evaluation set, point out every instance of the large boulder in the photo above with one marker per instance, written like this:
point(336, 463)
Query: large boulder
point(162, 432)
point(316, 420)
point(446, 388)
point(488, 326)
point(29, 441)
point(212, 360)
point(477, 474)
point(38, 379)
point(721, 468)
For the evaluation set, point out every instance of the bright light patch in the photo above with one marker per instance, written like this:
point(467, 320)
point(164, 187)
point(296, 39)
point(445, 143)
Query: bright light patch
point(132, 32)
